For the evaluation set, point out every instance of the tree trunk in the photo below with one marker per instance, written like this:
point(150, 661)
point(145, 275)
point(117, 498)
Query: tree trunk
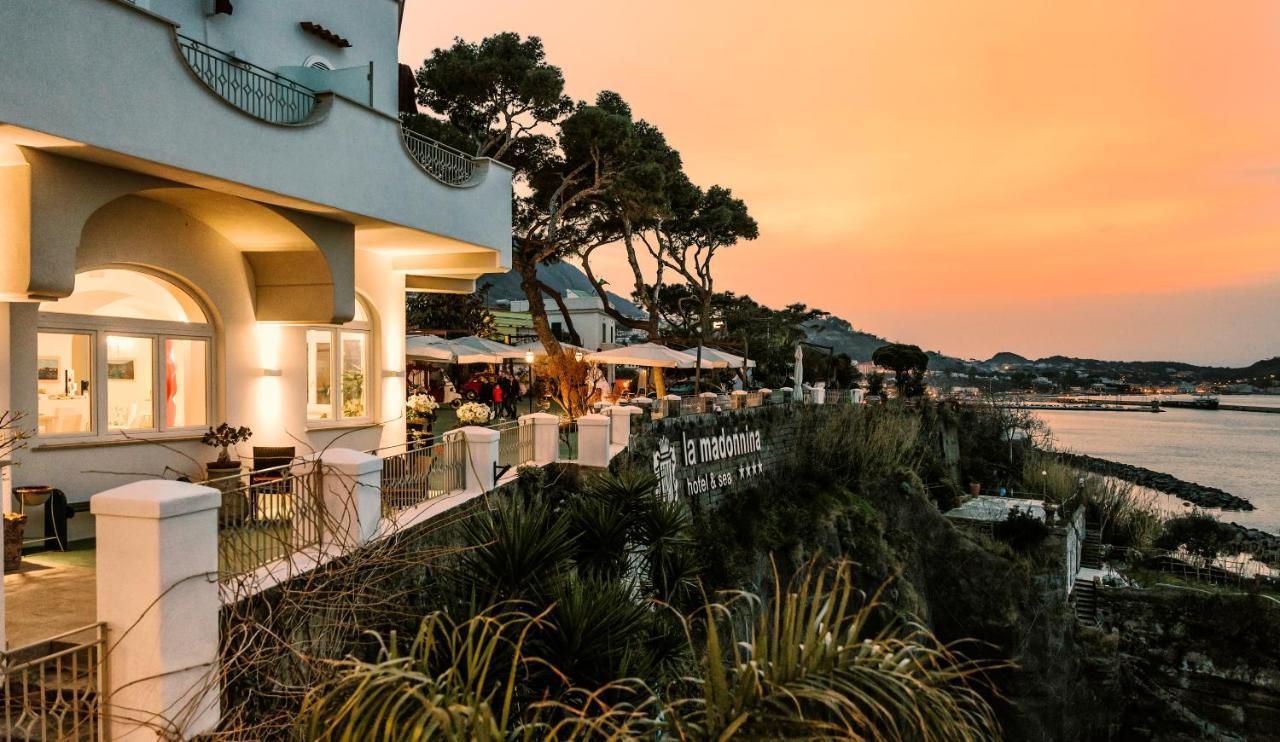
point(563, 370)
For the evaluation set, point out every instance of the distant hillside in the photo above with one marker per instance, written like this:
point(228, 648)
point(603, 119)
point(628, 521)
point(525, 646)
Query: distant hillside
point(561, 276)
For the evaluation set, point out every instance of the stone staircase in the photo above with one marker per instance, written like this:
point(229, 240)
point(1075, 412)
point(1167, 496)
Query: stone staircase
point(1091, 549)
point(1084, 599)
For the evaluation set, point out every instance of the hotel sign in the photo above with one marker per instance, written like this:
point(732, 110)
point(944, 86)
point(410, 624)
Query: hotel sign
point(703, 464)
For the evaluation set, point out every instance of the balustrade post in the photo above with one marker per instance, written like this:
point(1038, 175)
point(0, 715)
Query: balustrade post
point(787, 394)
point(819, 395)
point(157, 593)
point(593, 440)
point(671, 405)
point(352, 496)
point(546, 437)
point(738, 399)
point(481, 457)
point(620, 424)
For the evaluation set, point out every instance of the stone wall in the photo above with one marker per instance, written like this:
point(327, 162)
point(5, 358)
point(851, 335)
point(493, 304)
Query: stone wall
point(1191, 665)
point(702, 458)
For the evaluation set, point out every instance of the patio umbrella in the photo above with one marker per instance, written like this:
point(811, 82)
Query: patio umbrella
point(502, 350)
point(799, 372)
point(723, 358)
point(648, 354)
point(449, 351)
point(536, 347)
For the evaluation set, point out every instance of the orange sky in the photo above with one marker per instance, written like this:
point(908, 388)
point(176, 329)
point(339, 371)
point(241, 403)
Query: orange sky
point(1090, 178)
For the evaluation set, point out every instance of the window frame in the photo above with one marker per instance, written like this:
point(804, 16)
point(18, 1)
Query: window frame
point(337, 419)
point(158, 331)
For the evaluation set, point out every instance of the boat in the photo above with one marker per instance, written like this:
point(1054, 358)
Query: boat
point(1205, 402)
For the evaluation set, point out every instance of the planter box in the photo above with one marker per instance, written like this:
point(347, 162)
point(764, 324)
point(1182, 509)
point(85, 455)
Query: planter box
point(14, 526)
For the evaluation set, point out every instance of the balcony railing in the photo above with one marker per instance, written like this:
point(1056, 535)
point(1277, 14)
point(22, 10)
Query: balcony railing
point(415, 472)
point(440, 161)
point(258, 92)
point(267, 515)
point(52, 690)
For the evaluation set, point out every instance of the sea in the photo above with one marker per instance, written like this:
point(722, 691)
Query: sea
point(1235, 451)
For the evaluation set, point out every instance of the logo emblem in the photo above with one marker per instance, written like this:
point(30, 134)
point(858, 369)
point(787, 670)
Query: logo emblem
point(664, 468)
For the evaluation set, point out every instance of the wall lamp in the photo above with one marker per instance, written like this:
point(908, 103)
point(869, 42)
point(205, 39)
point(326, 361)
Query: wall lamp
point(272, 372)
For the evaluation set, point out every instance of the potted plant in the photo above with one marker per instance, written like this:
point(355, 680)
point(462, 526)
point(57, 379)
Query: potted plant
point(420, 416)
point(223, 438)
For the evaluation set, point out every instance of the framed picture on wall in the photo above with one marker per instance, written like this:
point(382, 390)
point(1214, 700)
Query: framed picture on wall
point(48, 369)
point(120, 369)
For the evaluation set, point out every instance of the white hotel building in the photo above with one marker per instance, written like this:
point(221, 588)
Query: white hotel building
point(212, 216)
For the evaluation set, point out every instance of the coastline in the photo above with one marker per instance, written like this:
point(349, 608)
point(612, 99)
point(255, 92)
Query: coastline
point(1195, 493)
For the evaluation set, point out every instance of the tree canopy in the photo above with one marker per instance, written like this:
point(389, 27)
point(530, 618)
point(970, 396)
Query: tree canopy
point(909, 364)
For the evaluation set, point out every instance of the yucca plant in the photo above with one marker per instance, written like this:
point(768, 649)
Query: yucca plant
point(603, 531)
point(810, 667)
point(522, 548)
point(598, 632)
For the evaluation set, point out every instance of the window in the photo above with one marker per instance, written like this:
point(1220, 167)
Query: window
point(126, 351)
point(338, 370)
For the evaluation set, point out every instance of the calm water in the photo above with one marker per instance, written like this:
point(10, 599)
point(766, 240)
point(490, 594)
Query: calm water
point(1235, 451)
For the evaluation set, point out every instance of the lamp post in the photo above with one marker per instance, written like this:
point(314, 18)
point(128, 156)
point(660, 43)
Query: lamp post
point(528, 358)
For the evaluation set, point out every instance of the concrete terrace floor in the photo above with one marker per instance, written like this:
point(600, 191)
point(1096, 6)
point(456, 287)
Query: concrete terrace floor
point(53, 592)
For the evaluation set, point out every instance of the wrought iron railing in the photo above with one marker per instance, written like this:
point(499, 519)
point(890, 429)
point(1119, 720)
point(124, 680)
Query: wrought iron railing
point(695, 405)
point(508, 444)
point(526, 450)
point(439, 160)
point(568, 439)
point(267, 515)
point(258, 92)
point(54, 689)
point(417, 471)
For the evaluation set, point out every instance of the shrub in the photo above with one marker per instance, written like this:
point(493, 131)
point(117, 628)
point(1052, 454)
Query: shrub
point(1023, 531)
point(1199, 533)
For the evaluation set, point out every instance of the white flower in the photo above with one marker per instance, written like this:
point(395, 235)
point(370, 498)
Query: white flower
point(474, 413)
point(421, 404)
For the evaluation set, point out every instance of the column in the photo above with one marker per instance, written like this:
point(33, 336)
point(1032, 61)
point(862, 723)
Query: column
point(593, 440)
point(481, 456)
point(158, 595)
point(546, 437)
point(352, 496)
point(738, 399)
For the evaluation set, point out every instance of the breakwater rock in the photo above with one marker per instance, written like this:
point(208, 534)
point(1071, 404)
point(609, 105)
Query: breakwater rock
point(1196, 494)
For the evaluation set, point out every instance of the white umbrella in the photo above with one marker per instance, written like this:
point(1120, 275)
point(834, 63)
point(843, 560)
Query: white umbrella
point(722, 358)
point(502, 350)
point(536, 347)
point(449, 351)
point(648, 354)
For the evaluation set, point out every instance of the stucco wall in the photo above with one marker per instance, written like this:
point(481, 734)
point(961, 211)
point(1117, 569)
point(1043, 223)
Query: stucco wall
point(135, 96)
point(139, 232)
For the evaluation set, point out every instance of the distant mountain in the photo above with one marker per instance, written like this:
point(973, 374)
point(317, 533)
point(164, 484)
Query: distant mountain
point(839, 334)
point(1005, 357)
point(560, 276)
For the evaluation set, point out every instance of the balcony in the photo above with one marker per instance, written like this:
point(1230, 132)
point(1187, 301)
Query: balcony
point(258, 92)
point(440, 161)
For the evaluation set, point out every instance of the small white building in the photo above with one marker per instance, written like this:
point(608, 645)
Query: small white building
point(586, 312)
point(210, 217)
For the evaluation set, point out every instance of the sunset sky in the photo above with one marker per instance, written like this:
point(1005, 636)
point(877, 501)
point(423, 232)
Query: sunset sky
point(1096, 179)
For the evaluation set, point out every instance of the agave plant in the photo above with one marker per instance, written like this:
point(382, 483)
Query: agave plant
point(809, 667)
point(523, 547)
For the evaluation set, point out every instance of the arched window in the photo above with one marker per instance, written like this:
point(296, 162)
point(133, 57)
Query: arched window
point(339, 370)
point(126, 352)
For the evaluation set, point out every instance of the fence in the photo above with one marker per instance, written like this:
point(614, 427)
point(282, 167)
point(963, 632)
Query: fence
point(442, 162)
point(695, 405)
point(509, 444)
point(268, 516)
point(568, 439)
point(53, 690)
point(258, 92)
point(755, 399)
point(418, 470)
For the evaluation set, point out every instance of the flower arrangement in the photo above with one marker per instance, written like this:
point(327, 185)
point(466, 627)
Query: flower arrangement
point(223, 437)
point(421, 406)
point(474, 413)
